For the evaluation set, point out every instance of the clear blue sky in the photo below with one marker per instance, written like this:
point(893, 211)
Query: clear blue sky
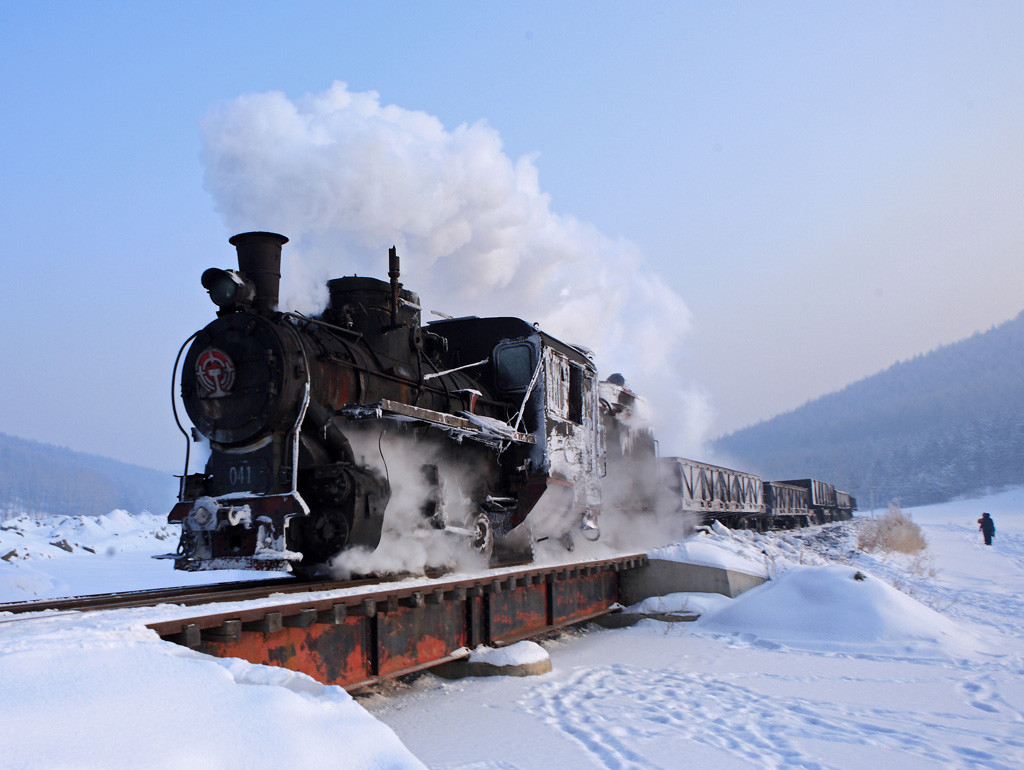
point(829, 187)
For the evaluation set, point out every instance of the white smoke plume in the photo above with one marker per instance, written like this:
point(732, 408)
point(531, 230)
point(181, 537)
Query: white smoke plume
point(345, 177)
point(408, 543)
point(625, 528)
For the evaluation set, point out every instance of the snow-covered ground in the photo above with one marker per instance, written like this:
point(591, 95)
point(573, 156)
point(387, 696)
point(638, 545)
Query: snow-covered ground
point(42, 558)
point(842, 660)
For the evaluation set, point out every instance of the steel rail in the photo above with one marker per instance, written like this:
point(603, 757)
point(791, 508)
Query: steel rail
point(187, 595)
point(236, 591)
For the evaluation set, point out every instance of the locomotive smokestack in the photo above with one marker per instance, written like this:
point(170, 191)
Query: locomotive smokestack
point(259, 259)
point(393, 273)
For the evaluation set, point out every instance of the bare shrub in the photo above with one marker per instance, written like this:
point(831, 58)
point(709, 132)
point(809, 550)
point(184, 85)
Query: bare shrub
point(892, 531)
point(922, 565)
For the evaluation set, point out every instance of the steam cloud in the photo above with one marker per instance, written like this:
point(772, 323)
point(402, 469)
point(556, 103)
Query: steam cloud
point(345, 177)
point(407, 544)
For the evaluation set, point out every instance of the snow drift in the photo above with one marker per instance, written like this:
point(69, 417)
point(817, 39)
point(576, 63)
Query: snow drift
point(838, 608)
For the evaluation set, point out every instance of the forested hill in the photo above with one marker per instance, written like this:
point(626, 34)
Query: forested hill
point(942, 425)
point(41, 478)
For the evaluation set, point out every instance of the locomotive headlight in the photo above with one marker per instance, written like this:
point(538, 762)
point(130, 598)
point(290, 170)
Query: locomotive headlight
point(203, 515)
point(228, 288)
point(202, 518)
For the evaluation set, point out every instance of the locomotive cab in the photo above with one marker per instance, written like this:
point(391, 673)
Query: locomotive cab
point(550, 391)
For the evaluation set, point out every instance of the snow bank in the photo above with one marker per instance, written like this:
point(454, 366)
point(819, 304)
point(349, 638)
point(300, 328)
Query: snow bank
point(840, 609)
point(680, 604)
point(90, 694)
point(721, 553)
point(46, 537)
point(50, 556)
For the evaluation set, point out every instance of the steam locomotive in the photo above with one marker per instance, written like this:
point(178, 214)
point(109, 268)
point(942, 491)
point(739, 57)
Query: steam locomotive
point(292, 407)
point(499, 434)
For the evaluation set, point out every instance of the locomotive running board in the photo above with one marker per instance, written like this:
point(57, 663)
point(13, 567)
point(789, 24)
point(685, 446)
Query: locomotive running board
point(472, 426)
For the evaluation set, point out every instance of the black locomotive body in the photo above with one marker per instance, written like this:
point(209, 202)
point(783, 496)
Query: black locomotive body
point(287, 403)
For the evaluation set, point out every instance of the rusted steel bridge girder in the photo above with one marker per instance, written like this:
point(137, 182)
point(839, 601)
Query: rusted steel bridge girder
point(388, 631)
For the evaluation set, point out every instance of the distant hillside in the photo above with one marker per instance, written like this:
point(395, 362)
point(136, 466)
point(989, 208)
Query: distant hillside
point(942, 425)
point(41, 478)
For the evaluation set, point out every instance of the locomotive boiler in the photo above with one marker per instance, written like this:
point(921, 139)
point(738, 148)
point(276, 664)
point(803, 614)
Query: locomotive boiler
point(295, 409)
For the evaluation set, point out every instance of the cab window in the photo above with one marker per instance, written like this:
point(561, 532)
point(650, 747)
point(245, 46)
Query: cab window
point(513, 366)
point(576, 385)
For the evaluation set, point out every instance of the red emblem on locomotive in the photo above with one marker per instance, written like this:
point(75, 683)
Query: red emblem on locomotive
point(215, 372)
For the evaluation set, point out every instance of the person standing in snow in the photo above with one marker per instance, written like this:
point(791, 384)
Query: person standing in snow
point(987, 527)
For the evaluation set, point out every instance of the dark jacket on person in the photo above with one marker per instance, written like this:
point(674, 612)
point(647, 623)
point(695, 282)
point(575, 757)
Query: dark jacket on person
point(988, 527)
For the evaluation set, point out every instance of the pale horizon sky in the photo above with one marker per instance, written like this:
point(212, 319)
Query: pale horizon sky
point(828, 188)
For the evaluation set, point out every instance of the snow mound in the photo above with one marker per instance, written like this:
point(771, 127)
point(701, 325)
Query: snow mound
point(680, 604)
point(27, 538)
point(765, 554)
point(50, 556)
point(214, 712)
point(839, 609)
point(708, 552)
point(518, 654)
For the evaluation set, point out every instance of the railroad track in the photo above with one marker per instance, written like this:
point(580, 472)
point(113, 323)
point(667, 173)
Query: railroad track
point(237, 591)
point(210, 593)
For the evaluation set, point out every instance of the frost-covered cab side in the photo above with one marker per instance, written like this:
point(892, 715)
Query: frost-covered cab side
point(550, 390)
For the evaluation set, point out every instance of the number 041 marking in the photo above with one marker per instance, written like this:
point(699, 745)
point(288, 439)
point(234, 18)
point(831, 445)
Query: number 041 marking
point(240, 475)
